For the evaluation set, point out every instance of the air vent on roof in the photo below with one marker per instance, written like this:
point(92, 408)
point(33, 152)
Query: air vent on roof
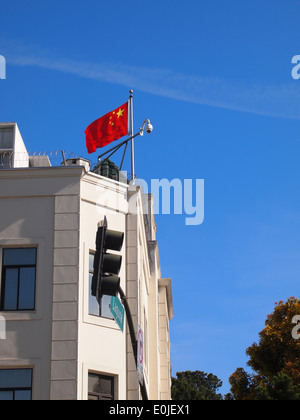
point(77, 162)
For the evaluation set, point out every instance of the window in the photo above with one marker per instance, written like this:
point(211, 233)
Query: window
point(6, 147)
point(15, 384)
point(101, 387)
point(18, 279)
point(7, 138)
point(95, 309)
point(6, 159)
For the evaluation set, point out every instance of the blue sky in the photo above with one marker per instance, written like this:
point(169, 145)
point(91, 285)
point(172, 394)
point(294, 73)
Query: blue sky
point(215, 80)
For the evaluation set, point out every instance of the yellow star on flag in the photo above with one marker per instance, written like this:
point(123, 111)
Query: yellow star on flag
point(120, 113)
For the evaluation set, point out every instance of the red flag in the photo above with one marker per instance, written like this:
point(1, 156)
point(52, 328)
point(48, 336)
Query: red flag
point(107, 129)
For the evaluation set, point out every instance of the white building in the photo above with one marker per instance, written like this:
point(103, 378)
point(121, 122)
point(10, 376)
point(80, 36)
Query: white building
point(57, 345)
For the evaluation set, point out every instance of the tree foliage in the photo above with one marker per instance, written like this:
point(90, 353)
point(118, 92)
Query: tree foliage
point(275, 359)
point(196, 386)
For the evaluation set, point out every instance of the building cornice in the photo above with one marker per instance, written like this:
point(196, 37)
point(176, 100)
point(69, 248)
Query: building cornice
point(51, 172)
point(167, 284)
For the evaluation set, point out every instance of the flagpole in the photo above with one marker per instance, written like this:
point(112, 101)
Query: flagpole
point(131, 134)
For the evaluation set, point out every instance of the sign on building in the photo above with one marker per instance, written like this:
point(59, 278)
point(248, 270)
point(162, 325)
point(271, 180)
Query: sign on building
point(140, 355)
point(118, 311)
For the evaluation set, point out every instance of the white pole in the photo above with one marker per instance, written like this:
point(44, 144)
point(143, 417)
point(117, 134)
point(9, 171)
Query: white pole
point(131, 134)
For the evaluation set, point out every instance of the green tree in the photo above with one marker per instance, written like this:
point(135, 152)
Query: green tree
point(275, 359)
point(253, 387)
point(277, 351)
point(242, 386)
point(279, 388)
point(196, 386)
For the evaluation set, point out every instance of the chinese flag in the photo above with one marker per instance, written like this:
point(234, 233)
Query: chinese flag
point(107, 129)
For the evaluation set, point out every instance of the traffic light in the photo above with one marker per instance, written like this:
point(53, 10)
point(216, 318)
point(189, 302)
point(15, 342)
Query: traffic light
point(107, 266)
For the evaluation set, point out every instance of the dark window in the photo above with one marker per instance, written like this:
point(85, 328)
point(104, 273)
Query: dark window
point(101, 387)
point(95, 309)
point(6, 160)
point(7, 138)
point(15, 384)
point(18, 279)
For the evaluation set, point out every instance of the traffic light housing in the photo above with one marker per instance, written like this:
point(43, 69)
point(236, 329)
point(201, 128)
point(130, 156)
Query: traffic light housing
point(106, 265)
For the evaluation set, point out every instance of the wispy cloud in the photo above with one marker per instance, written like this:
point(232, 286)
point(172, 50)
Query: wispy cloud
point(270, 100)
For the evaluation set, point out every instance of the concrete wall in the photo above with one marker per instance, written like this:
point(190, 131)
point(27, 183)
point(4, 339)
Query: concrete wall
point(64, 346)
point(32, 206)
point(21, 158)
point(101, 343)
point(165, 313)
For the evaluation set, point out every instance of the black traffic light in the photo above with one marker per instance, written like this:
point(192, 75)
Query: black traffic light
point(107, 266)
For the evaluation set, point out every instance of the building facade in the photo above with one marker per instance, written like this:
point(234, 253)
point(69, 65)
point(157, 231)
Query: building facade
point(59, 342)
